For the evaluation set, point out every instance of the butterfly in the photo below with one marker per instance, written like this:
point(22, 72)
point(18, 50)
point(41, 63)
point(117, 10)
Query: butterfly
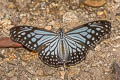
point(61, 48)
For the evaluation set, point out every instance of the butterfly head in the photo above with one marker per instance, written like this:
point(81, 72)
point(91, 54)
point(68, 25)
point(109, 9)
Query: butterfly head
point(60, 30)
point(60, 33)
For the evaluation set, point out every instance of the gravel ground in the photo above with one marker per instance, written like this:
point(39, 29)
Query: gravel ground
point(21, 64)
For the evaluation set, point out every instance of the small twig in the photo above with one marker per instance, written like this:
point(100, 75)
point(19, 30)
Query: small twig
point(6, 42)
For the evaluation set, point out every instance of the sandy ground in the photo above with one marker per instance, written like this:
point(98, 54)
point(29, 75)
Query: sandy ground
point(21, 64)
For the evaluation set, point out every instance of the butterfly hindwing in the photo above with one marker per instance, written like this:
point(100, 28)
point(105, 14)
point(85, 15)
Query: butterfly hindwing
point(50, 55)
point(77, 52)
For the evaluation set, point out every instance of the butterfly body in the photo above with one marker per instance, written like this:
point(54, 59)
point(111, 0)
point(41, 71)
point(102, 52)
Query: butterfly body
point(61, 48)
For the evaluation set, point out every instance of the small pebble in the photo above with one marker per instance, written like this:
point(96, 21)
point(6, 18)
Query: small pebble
point(14, 78)
point(94, 3)
point(11, 6)
point(117, 1)
point(39, 72)
point(69, 17)
point(48, 27)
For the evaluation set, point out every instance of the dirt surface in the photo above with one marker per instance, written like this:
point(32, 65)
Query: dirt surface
point(21, 64)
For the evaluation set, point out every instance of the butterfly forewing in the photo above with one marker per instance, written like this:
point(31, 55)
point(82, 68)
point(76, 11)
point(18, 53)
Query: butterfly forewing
point(91, 33)
point(30, 37)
